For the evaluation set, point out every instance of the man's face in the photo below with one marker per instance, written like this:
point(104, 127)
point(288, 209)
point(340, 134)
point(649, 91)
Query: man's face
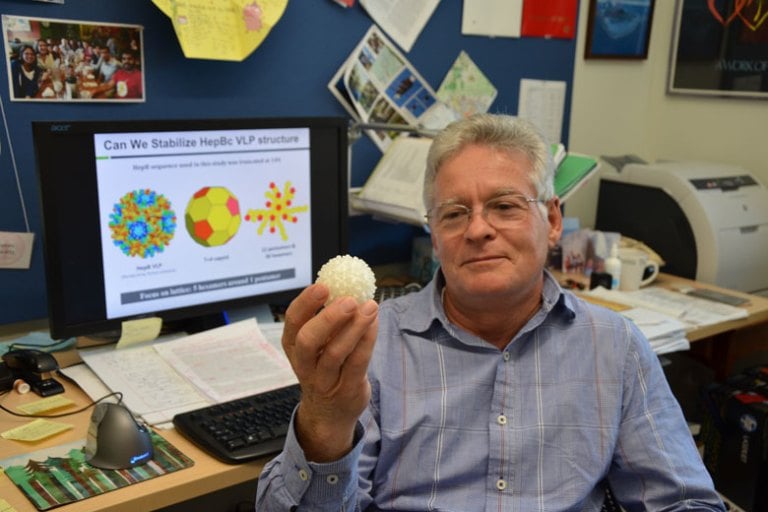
point(106, 55)
point(128, 61)
point(482, 260)
point(42, 47)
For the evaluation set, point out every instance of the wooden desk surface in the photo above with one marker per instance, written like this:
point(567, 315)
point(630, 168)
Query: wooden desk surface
point(757, 307)
point(208, 475)
point(205, 476)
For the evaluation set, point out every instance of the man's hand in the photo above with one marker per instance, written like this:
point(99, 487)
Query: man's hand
point(329, 352)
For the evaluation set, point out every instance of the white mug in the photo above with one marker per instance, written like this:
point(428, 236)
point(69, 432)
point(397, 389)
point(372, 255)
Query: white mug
point(634, 264)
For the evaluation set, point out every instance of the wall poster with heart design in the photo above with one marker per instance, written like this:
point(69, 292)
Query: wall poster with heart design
point(720, 48)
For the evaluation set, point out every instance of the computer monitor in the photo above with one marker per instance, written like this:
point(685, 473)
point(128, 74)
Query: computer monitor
point(180, 219)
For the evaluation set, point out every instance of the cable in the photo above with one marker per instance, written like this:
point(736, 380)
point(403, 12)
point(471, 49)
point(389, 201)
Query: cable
point(63, 414)
point(15, 168)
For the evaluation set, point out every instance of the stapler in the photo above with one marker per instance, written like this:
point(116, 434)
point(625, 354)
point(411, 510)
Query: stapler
point(36, 367)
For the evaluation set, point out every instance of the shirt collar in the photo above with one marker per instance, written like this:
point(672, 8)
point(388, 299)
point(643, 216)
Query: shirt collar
point(420, 315)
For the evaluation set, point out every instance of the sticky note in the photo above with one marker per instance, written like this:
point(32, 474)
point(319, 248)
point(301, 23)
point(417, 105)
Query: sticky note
point(5, 506)
point(46, 404)
point(36, 430)
point(139, 331)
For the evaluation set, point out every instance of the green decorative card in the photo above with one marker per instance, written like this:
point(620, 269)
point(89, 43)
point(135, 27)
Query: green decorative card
point(59, 475)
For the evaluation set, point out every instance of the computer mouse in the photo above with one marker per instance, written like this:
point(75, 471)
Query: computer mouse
point(115, 439)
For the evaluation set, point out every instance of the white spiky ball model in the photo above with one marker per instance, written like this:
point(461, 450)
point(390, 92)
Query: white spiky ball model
point(347, 276)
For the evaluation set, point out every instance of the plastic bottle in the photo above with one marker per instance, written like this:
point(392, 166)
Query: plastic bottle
point(613, 267)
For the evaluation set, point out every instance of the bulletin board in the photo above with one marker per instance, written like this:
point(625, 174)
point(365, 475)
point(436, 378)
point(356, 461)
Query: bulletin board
point(287, 75)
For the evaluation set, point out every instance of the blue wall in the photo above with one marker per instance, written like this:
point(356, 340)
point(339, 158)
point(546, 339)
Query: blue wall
point(286, 76)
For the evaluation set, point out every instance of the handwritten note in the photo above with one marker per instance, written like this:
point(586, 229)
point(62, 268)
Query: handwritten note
point(50, 403)
point(222, 30)
point(35, 430)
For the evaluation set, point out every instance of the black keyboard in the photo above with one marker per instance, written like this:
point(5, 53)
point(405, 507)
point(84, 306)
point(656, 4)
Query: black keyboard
point(383, 293)
point(242, 429)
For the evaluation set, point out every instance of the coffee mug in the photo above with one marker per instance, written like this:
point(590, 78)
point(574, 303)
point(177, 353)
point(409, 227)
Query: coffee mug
point(636, 263)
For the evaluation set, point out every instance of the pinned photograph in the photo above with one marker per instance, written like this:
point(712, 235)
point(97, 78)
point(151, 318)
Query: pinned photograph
point(63, 60)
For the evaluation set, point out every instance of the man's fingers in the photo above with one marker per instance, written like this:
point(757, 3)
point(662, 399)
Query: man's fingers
point(302, 309)
point(342, 327)
point(355, 366)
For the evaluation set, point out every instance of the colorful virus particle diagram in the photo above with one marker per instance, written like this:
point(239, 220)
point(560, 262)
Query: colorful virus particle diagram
point(278, 211)
point(142, 223)
point(212, 216)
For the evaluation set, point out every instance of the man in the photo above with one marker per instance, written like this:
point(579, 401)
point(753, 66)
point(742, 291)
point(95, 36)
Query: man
point(492, 388)
point(107, 65)
point(127, 80)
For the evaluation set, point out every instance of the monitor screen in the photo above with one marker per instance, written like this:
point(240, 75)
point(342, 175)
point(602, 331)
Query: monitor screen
point(183, 218)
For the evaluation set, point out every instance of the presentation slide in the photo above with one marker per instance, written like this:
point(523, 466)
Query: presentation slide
point(193, 217)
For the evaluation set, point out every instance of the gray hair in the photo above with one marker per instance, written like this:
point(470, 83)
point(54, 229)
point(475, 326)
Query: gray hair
point(499, 131)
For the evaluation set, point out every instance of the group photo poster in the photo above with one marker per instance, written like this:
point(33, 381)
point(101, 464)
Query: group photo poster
point(66, 60)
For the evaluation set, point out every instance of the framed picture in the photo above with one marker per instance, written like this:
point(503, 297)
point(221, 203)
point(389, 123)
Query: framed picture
point(618, 29)
point(73, 61)
point(720, 49)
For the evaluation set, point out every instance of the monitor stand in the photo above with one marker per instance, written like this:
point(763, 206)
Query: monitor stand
point(195, 324)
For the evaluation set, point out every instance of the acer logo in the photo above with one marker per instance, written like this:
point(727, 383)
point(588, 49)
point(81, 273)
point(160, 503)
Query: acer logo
point(60, 127)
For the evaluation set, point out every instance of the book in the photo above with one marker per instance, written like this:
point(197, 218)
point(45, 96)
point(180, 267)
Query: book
point(394, 188)
point(393, 191)
point(574, 170)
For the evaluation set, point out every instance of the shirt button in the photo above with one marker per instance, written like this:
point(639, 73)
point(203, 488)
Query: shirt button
point(506, 356)
point(501, 419)
point(303, 474)
point(332, 479)
point(501, 484)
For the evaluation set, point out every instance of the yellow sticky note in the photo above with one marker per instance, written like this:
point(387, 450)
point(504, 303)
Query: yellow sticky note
point(139, 331)
point(46, 404)
point(36, 430)
point(5, 506)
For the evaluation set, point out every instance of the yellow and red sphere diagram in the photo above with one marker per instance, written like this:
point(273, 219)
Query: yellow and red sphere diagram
point(212, 216)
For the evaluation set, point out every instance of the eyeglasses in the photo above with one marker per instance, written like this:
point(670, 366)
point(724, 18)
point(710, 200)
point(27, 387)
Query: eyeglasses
point(500, 212)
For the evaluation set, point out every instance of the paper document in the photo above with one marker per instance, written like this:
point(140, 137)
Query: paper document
point(394, 188)
point(376, 84)
point(542, 102)
point(492, 17)
point(161, 379)
point(403, 20)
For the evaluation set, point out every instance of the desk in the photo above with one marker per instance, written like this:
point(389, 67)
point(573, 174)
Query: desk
point(205, 477)
point(721, 345)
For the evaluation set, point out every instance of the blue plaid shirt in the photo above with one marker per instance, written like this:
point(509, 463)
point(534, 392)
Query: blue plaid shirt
point(577, 399)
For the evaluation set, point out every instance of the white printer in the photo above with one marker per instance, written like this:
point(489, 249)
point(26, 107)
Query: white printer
point(708, 221)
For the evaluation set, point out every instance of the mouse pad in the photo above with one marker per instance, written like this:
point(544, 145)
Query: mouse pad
point(59, 475)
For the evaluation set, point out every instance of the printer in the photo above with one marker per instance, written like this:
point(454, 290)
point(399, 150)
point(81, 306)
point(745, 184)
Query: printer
point(708, 221)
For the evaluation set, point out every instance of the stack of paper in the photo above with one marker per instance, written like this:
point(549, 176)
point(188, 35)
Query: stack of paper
point(665, 333)
point(691, 311)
